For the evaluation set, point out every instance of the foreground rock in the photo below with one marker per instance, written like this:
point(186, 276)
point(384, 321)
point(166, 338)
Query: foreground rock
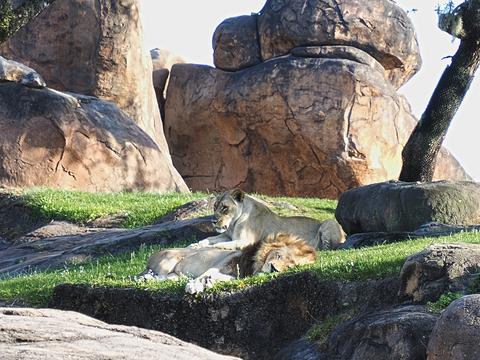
point(93, 48)
point(254, 323)
point(440, 268)
point(69, 141)
point(397, 206)
point(53, 334)
point(455, 335)
point(35, 251)
point(401, 333)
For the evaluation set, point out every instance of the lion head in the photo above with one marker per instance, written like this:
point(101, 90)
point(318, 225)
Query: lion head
point(282, 251)
point(227, 208)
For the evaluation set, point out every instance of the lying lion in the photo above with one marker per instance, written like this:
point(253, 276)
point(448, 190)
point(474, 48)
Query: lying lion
point(209, 265)
point(244, 221)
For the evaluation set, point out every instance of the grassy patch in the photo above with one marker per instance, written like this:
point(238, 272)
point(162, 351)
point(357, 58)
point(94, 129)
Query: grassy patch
point(137, 208)
point(444, 300)
point(349, 265)
point(320, 331)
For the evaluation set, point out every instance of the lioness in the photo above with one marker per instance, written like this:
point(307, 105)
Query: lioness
point(244, 221)
point(209, 265)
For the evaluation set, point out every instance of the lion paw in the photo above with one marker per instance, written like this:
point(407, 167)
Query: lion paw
point(200, 244)
point(196, 286)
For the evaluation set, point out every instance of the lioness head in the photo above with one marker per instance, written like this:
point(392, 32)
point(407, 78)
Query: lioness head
point(282, 251)
point(228, 208)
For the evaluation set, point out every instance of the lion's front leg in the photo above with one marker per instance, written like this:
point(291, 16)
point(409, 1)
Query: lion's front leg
point(209, 241)
point(206, 281)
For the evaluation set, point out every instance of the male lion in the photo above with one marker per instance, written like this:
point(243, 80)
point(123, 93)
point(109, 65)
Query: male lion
point(209, 265)
point(243, 220)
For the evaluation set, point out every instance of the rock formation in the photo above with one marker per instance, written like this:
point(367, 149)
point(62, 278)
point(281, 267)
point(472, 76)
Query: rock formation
point(93, 48)
point(455, 335)
point(64, 140)
point(307, 106)
point(52, 334)
point(162, 60)
point(398, 206)
point(439, 269)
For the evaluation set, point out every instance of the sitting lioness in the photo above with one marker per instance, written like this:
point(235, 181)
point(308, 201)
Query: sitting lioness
point(209, 265)
point(244, 221)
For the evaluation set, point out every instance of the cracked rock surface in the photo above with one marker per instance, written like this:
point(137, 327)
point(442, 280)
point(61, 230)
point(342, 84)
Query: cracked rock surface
point(53, 334)
point(455, 335)
point(63, 140)
point(296, 126)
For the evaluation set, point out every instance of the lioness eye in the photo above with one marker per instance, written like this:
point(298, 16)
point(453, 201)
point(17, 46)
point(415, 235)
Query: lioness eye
point(224, 209)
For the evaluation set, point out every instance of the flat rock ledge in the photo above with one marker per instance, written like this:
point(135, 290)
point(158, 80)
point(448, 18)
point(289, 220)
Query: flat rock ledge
point(52, 334)
point(253, 323)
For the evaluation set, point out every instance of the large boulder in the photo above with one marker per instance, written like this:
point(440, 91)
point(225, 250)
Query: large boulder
point(53, 334)
point(399, 206)
point(236, 44)
point(398, 334)
point(63, 140)
point(93, 48)
point(298, 126)
point(455, 335)
point(440, 268)
point(13, 71)
point(379, 27)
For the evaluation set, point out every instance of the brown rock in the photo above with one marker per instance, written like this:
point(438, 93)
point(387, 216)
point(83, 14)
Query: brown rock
point(399, 206)
point(60, 140)
point(235, 43)
point(54, 334)
point(455, 335)
point(440, 268)
point(379, 27)
point(162, 60)
point(291, 126)
point(93, 48)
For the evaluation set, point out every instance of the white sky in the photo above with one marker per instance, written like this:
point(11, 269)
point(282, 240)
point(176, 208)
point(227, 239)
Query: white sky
point(185, 27)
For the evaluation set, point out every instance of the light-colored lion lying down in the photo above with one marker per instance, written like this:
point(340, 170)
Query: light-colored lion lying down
point(206, 266)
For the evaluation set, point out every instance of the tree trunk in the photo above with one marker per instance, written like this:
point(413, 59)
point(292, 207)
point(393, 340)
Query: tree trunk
point(420, 153)
point(14, 15)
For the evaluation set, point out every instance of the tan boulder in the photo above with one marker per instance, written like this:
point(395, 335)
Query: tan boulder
point(93, 48)
point(63, 140)
point(291, 126)
point(379, 27)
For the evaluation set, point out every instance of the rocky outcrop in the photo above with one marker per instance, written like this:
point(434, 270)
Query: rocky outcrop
point(398, 334)
point(236, 43)
point(378, 27)
point(307, 105)
point(70, 141)
point(93, 48)
point(53, 334)
point(19, 73)
point(455, 335)
point(293, 126)
point(398, 206)
point(440, 268)
point(253, 323)
point(54, 245)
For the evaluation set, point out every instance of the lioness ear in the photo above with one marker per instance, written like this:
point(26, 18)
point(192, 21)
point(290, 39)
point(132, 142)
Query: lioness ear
point(238, 195)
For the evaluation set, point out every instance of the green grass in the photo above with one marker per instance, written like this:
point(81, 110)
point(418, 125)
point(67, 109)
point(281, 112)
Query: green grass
point(349, 265)
point(138, 209)
point(444, 300)
point(320, 331)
